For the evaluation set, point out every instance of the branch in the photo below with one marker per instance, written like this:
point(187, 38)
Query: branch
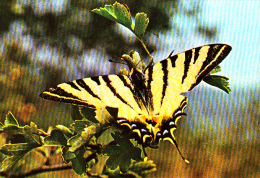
point(48, 168)
point(40, 170)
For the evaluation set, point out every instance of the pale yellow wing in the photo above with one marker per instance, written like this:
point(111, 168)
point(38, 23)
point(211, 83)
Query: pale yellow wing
point(180, 73)
point(114, 91)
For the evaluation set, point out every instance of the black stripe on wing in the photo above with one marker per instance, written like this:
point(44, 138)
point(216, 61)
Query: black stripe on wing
point(188, 56)
point(196, 54)
point(113, 89)
point(82, 84)
point(165, 78)
point(58, 94)
point(216, 54)
point(126, 84)
point(213, 57)
point(150, 77)
point(72, 84)
point(130, 87)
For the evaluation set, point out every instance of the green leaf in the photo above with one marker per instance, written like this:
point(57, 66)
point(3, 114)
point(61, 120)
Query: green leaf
point(21, 164)
point(83, 113)
point(75, 113)
point(17, 149)
point(141, 23)
point(118, 156)
point(65, 130)
point(77, 160)
point(27, 132)
point(10, 119)
point(67, 155)
point(88, 113)
point(79, 140)
point(80, 125)
point(118, 12)
point(79, 165)
point(9, 162)
point(76, 142)
point(1, 127)
point(56, 138)
point(218, 81)
point(143, 167)
point(12, 129)
point(216, 69)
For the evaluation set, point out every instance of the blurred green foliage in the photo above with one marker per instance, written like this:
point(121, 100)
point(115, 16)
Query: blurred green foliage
point(29, 29)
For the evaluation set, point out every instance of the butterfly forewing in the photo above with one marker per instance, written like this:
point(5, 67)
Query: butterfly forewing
point(115, 91)
point(180, 73)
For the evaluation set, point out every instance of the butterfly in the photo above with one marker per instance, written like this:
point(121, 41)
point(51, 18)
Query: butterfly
point(149, 103)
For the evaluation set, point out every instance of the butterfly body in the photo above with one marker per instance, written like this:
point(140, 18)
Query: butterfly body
point(148, 103)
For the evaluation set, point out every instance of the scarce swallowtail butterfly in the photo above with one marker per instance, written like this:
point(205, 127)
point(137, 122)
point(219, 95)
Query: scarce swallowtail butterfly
point(148, 103)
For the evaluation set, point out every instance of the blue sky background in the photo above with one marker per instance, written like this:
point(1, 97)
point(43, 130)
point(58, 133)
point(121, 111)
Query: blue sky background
point(238, 24)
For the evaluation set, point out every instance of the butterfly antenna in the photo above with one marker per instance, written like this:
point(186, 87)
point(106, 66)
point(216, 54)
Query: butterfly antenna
point(117, 62)
point(170, 54)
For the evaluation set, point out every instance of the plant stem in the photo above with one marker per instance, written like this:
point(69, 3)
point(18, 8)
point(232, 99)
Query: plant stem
point(151, 57)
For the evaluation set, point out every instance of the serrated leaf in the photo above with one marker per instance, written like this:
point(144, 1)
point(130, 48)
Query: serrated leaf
point(10, 119)
point(9, 162)
point(17, 149)
point(79, 140)
point(77, 159)
point(216, 69)
point(17, 165)
point(121, 154)
point(75, 113)
point(28, 133)
point(141, 23)
point(65, 130)
point(88, 113)
point(30, 136)
point(220, 82)
point(118, 12)
point(12, 129)
point(80, 125)
point(56, 138)
point(79, 165)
